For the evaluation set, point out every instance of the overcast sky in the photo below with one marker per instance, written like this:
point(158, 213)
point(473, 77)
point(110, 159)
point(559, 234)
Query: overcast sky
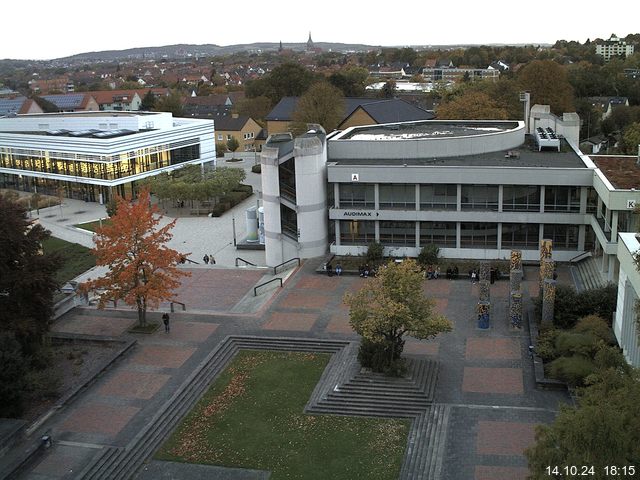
point(44, 29)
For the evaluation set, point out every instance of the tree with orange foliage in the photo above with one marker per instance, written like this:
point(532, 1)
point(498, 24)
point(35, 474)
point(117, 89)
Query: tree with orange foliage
point(142, 269)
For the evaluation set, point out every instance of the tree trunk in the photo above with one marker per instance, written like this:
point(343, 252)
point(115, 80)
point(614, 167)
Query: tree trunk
point(142, 312)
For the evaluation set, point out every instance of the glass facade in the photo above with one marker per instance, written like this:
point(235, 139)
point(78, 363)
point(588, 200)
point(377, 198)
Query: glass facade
point(564, 237)
point(397, 196)
point(357, 232)
point(561, 199)
point(439, 197)
point(91, 166)
point(287, 177)
point(517, 198)
point(398, 234)
point(442, 234)
point(289, 221)
point(520, 235)
point(478, 235)
point(480, 197)
point(357, 195)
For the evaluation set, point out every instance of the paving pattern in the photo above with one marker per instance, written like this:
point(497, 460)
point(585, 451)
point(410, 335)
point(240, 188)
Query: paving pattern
point(481, 413)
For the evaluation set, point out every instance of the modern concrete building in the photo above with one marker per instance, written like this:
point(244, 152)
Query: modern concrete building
point(625, 324)
point(91, 155)
point(476, 189)
point(614, 47)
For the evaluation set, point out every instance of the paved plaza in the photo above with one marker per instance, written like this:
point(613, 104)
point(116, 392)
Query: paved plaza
point(486, 377)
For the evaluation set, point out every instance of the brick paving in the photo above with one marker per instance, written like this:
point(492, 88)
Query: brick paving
point(485, 376)
point(103, 419)
point(129, 384)
point(493, 380)
point(504, 438)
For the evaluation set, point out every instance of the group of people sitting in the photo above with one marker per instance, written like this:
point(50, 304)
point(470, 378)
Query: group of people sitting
point(433, 273)
point(330, 269)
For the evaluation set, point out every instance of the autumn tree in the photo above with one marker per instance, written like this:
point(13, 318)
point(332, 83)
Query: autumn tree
point(351, 81)
point(388, 89)
point(322, 104)
point(549, 84)
point(170, 103)
point(142, 269)
point(233, 144)
point(286, 80)
point(148, 101)
point(472, 105)
point(389, 306)
point(631, 139)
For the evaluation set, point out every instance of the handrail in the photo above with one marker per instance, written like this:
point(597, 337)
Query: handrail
point(255, 289)
point(187, 259)
point(184, 307)
point(583, 254)
point(275, 269)
point(245, 261)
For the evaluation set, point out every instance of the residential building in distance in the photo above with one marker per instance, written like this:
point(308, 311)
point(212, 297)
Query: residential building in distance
point(358, 111)
point(51, 86)
point(606, 105)
point(244, 129)
point(92, 155)
point(73, 102)
point(18, 105)
point(614, 47)
point(452, 74)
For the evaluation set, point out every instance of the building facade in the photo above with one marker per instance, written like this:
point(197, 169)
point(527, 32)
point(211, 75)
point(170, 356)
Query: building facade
point(614, 47)
point(92, 155)
point(476, 189)
point(625, 324)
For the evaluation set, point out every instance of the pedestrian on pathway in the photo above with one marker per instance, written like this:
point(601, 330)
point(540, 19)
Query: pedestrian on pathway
point(338, 269)
point(165, 320)
point(205, 259)
point(212, 260)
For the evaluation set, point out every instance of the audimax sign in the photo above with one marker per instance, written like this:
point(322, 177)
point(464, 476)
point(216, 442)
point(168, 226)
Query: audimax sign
point(359, 214)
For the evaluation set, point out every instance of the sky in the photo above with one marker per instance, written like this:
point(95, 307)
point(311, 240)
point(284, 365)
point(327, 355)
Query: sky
point(43, 29)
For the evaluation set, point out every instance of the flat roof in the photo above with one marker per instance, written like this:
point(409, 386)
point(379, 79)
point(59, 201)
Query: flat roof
point(526, 155)
point(428, 129)
point(100, 113)
point(622, 171)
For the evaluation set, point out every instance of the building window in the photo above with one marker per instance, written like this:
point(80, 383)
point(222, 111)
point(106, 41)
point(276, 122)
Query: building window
point(398, 196)
point(520, 235)
point(438, 197)
point(229, 137)
point(357, 232)
point(517, 198)
point(398, 234)
point(220, 137)
point(441, 234)
point(357, 195)
point(289, 222)
point(562, 199)
point(480, 197)
point(564, 237)
point(479, 235)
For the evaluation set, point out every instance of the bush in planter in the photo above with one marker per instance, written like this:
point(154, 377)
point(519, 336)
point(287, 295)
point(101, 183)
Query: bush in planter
point(257, 168)
point(595, 326)
point(375, 253)
point(574, 343)
point(375, 355)
point(546, 344)
point(572, 370)
point(428, 255)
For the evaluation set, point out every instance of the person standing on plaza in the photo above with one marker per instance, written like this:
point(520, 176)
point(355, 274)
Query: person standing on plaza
point(165, 320)
point(205, 259)
point(212, 260)
point(338, 269)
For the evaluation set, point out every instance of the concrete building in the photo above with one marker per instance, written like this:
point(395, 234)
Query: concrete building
point(625, 324)
point(476, 189)
point(90, 155)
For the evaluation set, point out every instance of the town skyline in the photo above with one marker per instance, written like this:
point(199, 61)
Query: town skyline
point(498, 22)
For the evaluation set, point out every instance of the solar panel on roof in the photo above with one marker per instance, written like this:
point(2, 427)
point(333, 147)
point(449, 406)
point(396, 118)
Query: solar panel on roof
point(65, 101)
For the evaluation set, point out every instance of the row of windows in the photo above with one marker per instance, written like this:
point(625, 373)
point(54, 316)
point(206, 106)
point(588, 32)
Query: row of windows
point(473, 197)
point(246, 136)
point(129, 164)
point(444, 234)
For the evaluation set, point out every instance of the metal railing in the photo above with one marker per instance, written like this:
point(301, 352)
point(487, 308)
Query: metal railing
point(255, 289)
point(275, 269)
point(581, 256)
point(184, 307)
point(247, 262)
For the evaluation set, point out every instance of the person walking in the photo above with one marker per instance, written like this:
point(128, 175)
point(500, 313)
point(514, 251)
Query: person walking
point(212, 260)
point(165, 320)
point(205, 259)
point(338, 269)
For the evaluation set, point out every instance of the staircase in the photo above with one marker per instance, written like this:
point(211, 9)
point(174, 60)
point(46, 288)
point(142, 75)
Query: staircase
point(586, 274)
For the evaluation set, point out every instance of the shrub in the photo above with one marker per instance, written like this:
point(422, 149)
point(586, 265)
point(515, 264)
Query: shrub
point(428, 255)
point(612, 357)
point(257, 168)
point(546, 344)
point(596, 326)
point(572, 370)
point(599, 301)
point(565, 314)
point(570, 343)
point(43, 383)
point(375, 253)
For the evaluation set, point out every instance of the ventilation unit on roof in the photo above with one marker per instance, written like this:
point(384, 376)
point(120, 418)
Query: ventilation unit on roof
point(547, 138)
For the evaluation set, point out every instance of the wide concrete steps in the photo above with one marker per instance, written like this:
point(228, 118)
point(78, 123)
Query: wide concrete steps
point(122, 463)
point(588, 274)
point(426, 445)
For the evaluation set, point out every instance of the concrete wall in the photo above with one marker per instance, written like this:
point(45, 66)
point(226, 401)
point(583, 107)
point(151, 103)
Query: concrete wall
point(567, 126)
point(625, 324)
point(274, 250)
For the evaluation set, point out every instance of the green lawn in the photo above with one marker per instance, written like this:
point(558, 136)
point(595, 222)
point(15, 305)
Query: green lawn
point(252, 417)
point(76, 259)
point(92, 226)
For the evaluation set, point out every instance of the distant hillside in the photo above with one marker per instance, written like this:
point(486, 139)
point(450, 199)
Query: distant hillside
point(187, 50)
